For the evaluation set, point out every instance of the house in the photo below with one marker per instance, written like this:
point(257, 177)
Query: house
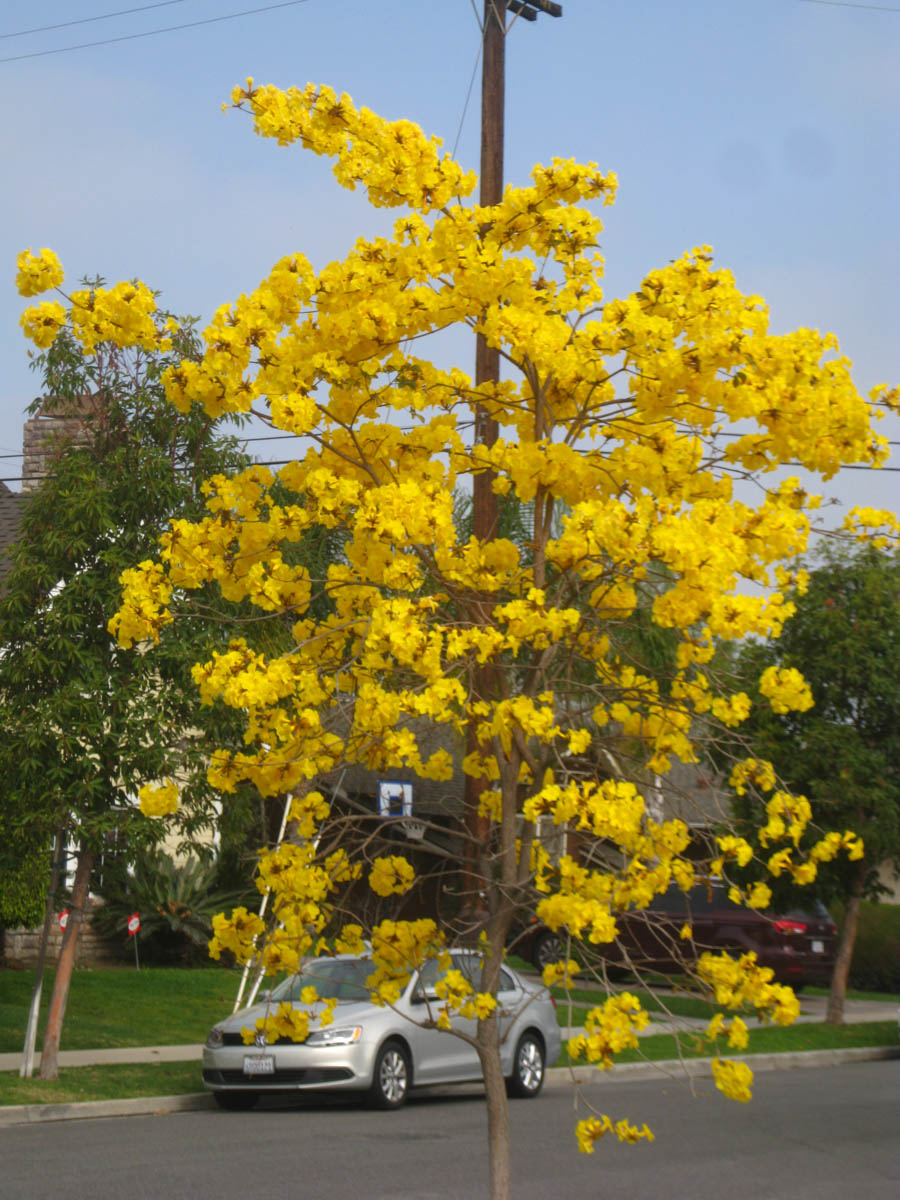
point(10, 518)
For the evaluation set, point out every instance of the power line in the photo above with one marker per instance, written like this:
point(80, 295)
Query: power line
point(130, 37)
point(851, 4)
point(287, 437)
point(283, 462)
point(123, 12)
point(468, 98)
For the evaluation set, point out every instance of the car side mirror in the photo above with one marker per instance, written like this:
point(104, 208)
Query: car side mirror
point(422, 996)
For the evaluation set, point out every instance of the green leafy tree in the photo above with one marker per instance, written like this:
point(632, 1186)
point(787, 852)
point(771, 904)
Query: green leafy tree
point(844, 752)
point(85, 723)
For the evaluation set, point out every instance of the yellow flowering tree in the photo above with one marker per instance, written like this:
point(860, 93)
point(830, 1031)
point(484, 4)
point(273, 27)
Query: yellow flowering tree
point(610, 414)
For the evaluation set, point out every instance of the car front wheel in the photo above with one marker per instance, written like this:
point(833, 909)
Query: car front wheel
point(391, 1078)
point(527, 1078)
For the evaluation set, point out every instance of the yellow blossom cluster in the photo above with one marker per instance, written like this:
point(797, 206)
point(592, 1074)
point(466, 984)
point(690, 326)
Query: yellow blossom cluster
point(351, 940)
point(306, 813)
point(785, 689)
point(739, 982)
point(392, 875)
point(561, 972)
point(398, 949)
point(302, 889)
point(393, 160)
point(124, 314)
point(459, 996)
point(591, 1129)
point(237, 935)
point(146, 610)
point(735, 1030)
point(758, 895)
point(286, 1022)
point(752, 771)
point(289, 1023)
point(879, 526)
point(42, 322)
point(733, 1079)
point(609, 1028)
point(158, 800)
point(38, 273)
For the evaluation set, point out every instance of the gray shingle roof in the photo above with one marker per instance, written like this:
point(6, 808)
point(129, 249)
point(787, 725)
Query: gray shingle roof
point(10, 518)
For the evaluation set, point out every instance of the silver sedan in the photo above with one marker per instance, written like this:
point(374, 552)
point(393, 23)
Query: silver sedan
point(382, 1052)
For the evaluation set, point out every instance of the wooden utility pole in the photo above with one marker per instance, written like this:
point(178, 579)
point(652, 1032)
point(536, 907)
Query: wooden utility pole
point(487, 370)
point(493, 87)
point(487, 360)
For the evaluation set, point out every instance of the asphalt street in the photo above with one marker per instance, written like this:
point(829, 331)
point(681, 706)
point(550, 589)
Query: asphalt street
point(824, 1134)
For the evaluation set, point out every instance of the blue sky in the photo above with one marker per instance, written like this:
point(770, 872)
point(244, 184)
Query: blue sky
point(767, 128)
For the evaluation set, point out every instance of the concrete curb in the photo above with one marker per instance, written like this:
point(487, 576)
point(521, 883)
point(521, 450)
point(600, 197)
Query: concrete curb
point(138, 1106)
point(38, 1114)
point(701, 1067)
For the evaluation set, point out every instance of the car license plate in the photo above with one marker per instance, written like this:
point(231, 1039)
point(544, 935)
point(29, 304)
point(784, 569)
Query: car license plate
point(259, 1064)
point(818, 947)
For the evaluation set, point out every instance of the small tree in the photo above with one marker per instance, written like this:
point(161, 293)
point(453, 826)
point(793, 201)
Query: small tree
point(609, 420)
point(844, 751)
point(84, 723)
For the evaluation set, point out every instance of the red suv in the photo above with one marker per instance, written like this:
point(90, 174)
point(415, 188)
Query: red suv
point(798, 944)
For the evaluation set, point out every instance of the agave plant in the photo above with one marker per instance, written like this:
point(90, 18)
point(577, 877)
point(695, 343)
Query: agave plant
point(176, 901)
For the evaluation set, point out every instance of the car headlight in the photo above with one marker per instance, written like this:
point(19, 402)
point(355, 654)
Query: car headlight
point(215, 1038)
point(335, 1037)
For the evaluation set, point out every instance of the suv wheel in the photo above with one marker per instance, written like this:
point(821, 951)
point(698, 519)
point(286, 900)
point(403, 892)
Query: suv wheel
point(547, 949)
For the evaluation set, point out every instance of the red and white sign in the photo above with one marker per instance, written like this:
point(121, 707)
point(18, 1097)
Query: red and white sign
point(63, 918)
point(134, 924)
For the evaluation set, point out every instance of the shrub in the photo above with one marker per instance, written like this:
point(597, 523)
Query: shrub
point(876, 955)
point(176, 903)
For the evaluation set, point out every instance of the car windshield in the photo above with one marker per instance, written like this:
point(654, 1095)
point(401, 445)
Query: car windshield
point(333, 979)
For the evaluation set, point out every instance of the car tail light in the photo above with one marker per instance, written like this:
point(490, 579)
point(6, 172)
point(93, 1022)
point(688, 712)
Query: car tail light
point(788, 926)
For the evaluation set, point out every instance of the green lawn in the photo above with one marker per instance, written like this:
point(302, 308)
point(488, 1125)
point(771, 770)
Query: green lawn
point(156, 1006)
point(672, 1003)
point(76, 1084)
point(853, 994)
point(769, 1040)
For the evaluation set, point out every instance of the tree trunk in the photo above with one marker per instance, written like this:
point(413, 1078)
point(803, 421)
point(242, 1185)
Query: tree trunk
point(497, 1109)
point(846, 941)
point(27, 1068)
point(53, 1030)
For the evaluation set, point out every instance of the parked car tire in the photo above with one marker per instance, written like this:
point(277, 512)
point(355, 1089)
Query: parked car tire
point(548, 948)
point(236, 1101)
point(391, 1077)
point(529, 1070)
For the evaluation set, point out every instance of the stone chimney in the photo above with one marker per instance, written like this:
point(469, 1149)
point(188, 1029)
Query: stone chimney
point(59, 421)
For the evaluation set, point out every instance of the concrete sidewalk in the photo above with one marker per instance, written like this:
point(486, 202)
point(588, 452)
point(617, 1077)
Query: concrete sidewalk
point(105, 1058)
